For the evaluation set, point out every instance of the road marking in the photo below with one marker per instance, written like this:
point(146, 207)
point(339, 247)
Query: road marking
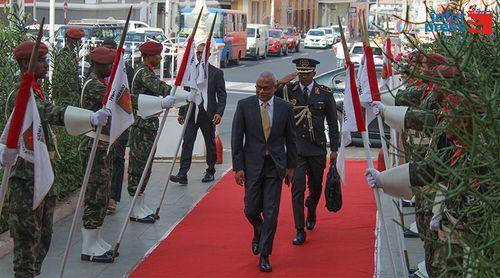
point(284, 58)
point(268, 61)
point(240, 66)
point(234, 92)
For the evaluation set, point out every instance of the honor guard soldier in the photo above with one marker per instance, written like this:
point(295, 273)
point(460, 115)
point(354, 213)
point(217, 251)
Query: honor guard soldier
point(312, 103)
point(94, 248)
point(65, 80)
point(31, 228)
point(143, 131)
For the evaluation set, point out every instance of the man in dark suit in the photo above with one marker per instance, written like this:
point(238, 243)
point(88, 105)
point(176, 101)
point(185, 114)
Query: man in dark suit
point(264, 149)
point(209, 115)
point(313, 104)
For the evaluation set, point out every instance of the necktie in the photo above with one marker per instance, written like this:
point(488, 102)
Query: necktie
point(266, 122)
point(306, 93)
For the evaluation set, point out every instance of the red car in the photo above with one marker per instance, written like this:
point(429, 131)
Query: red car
point(277, 42)
point(292, 38)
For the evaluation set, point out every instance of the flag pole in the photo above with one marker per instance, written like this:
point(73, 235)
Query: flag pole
point(184, 126)
point(153, 149)
point(13, 139)
point(366, 145)
point(88, 169)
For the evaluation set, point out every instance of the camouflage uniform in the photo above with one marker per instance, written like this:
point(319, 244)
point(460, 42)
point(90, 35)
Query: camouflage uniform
point(99, 186)
point(31, 229)
point(143, 132)
point(65, 80)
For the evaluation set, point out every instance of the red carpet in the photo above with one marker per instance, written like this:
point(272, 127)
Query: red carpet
point(214, 239)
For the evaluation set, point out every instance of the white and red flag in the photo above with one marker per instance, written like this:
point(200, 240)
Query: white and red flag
point(353, 116)
point(24, 131)
point(387, 73)
point(118, 99)
point(367, 82)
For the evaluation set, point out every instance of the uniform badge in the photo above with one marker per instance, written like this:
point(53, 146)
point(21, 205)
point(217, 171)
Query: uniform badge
point(316, 91)
point(294, 102)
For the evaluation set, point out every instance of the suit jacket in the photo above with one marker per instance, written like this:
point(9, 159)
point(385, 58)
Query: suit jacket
point(216, 93)
point(322, 106)
point(248, 143)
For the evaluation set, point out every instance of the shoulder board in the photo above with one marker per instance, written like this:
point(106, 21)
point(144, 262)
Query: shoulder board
point(325, 89)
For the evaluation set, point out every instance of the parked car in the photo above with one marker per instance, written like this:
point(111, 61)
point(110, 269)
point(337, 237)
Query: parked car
point(95, 31)
point(292, 38)
point(336, 32)
point(316, 38)
point(33, 31)
point(257, 40)
point(277, 42)
point(356, 53)
point(335, 80)
point(330, 37)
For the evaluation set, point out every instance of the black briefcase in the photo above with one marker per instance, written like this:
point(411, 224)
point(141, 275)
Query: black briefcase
point(333, 192)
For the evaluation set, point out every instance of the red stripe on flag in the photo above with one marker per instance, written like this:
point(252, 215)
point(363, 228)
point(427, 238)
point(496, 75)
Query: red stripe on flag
point(372, 77)
point(207, 48)
point(388, 49)
point(17, 120)
point(360, 123)
point(185, 57)
point(112, 76)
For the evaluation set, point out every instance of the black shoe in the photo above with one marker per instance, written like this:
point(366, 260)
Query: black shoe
point(150, 219)
point(208, 177)
point(300, 238)
point(407, 204)
point(264, 264)
point(182, 179)
point(104, 258)
point(311, 220)
point(255, 248)
point(410, 234)
point(110, 252)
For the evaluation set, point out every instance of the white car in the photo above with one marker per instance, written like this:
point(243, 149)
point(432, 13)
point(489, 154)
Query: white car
point(356, 53)
point(257, 40)
point(316, 38)
point(330, 37)
point(336, 32)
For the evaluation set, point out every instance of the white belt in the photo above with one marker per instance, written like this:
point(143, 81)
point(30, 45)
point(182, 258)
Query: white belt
point(102, 137)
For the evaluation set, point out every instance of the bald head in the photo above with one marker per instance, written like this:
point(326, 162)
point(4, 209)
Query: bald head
point(265, 86)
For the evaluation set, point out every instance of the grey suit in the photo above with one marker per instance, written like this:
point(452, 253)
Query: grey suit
point(263, 173)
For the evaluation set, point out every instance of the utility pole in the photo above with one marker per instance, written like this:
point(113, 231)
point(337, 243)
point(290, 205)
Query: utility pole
point(168, 18)
point(272, 15)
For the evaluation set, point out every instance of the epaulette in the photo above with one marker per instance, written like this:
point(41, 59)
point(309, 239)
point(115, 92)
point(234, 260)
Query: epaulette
point(325, 89)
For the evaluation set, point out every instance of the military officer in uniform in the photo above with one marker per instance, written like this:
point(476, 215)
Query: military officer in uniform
point(66, 84)
point(143, 131)
point(312, 103)
point(31, 228)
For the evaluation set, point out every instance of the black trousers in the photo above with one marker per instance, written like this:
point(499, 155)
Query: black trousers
point(312, 167)
point(118, 166)
point(208, 130)
point(262, 196)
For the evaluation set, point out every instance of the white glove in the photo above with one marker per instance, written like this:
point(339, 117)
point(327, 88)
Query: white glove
point(8, 157)
point(373, 178)
point(168, 102)
point(192, 97)
point(435, 222)
point(100, 117)
point(378, 108)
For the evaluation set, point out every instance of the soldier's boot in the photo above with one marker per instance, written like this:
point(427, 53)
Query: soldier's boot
point(104, 244)
point(92, 251)
point(140, 213)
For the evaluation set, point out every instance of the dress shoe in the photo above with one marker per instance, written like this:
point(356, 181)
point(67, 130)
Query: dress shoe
point(300, 238)
point(150, 219)
point(264, 264)
point(182, 179)
point(104, 258)
point(311, 220)
point(208, 177)
point(255, 248)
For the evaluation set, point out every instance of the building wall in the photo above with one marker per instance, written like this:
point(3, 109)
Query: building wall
point(328, 13)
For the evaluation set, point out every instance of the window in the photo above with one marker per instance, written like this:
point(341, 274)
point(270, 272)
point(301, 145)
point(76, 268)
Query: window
point(274, 34)
point(251, 32)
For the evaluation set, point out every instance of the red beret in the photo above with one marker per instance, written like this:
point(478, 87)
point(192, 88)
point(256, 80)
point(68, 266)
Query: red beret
point(151, 48)
point(433, 59)
point(75, 33)
point(444, 71)
point(23, 50)
point(103, 55)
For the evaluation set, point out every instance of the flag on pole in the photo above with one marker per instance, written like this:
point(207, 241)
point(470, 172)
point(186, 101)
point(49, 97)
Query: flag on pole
point(30, 138)
point(118, 100)
point(353, 116)
point(387, 73)
point(367, 82)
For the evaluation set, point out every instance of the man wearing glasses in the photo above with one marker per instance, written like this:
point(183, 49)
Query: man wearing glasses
point(264, 150)
point(312, 103)
point(209, 115)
